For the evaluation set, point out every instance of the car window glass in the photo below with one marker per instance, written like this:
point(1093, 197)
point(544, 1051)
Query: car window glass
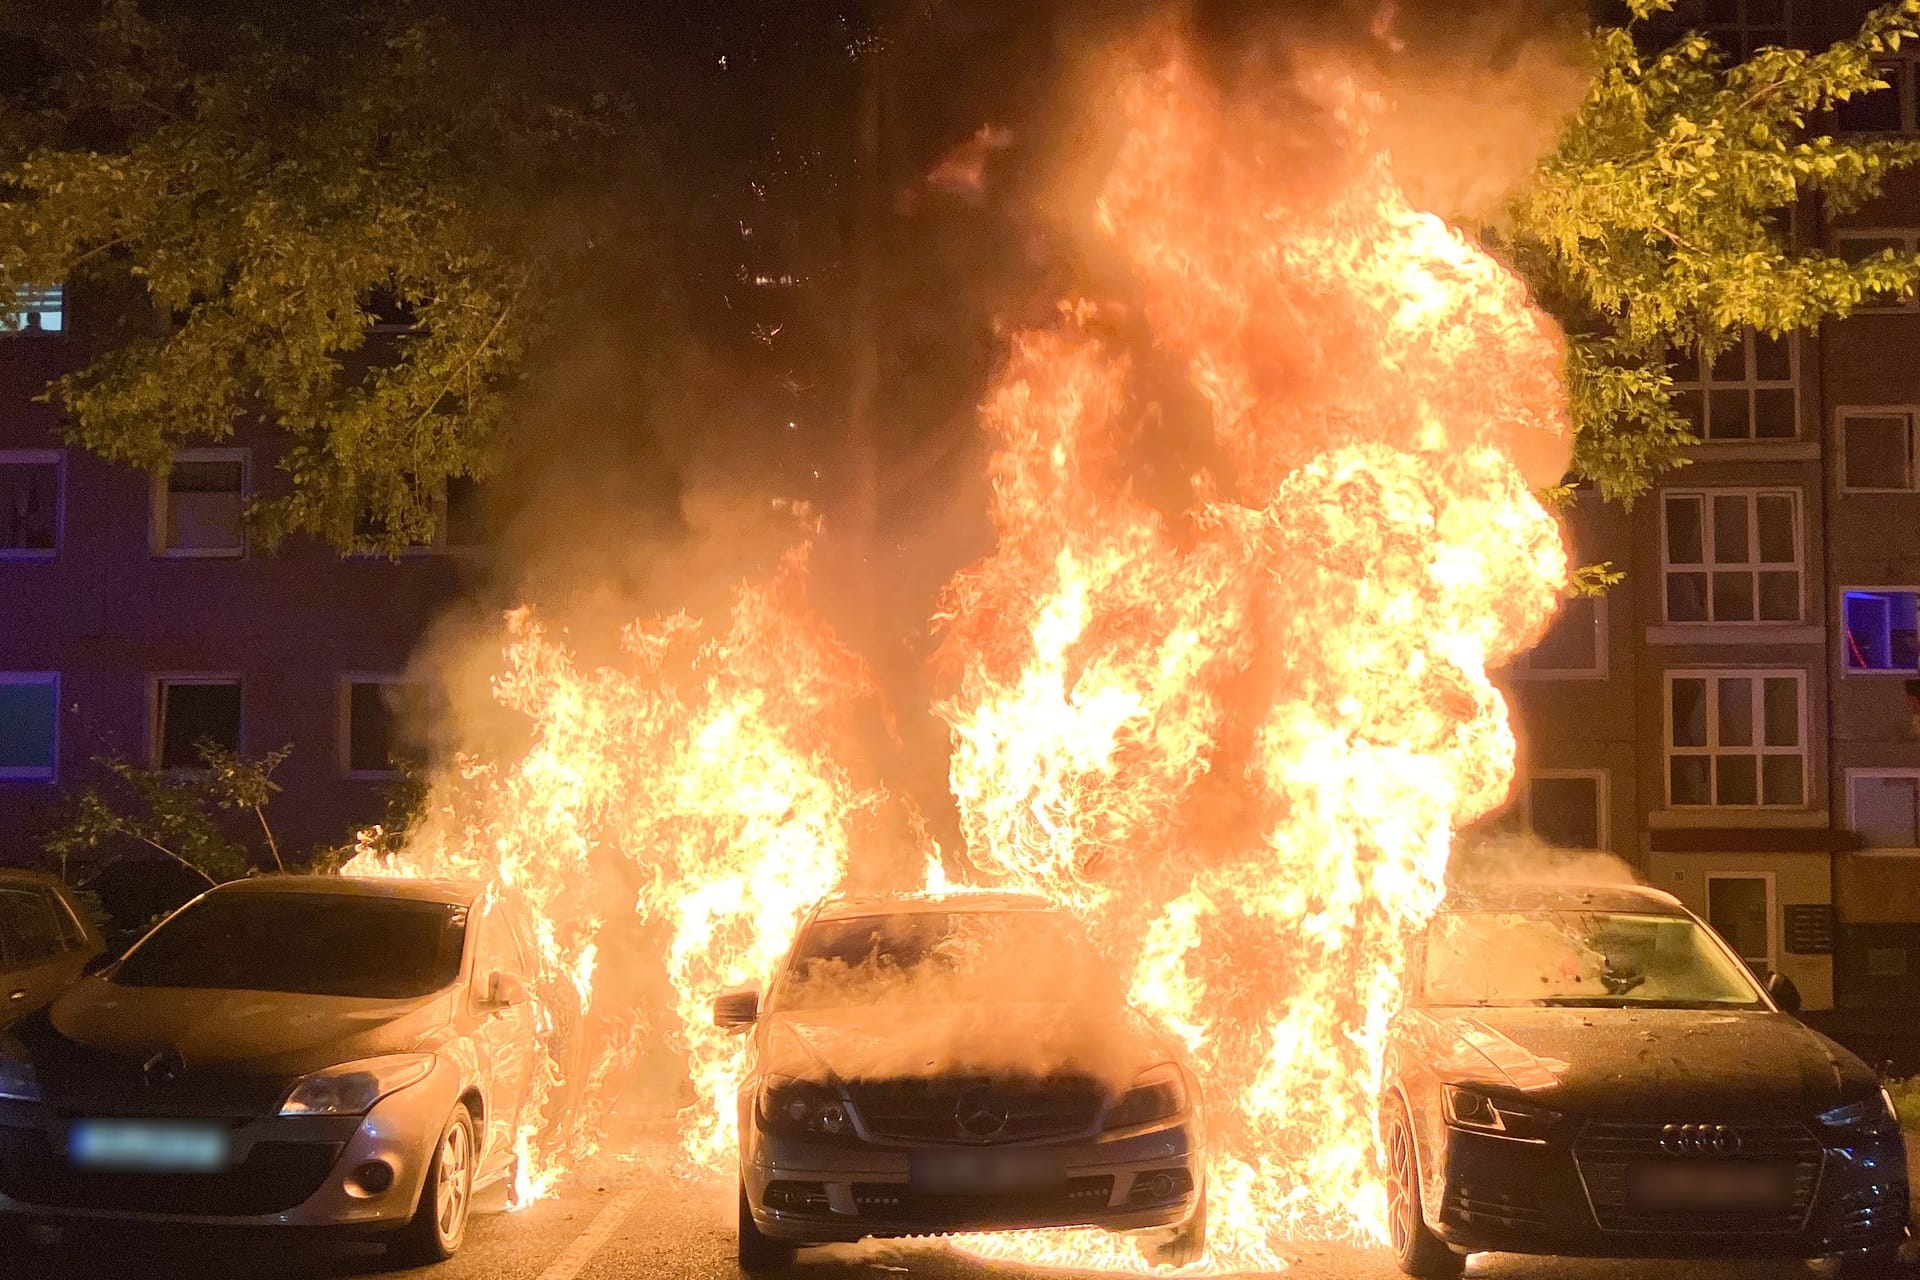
point(73, 936)
point(1578, 958)
point(494, 951)
point(32, 928)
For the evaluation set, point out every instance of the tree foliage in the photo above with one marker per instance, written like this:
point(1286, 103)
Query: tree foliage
point(342, 224)
point(1662, 220)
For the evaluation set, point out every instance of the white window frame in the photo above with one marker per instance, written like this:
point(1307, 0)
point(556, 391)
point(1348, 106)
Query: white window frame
point(157, 522)
point(1910, 244)
point(1752, 565)
point(344, 723)
point(156, 727)
point(1749, 382)
point(1853, 817)
point(40, 458)
point(1847, 670)
point(1840, 417)
point(1773, 910)
point(1521, 667)
point(1757, 676)
point(1602, 798)
point(15, 773)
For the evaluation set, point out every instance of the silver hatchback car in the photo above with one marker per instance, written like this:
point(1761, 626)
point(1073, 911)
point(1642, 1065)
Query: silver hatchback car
point(952, 1063)
point(287, 1051)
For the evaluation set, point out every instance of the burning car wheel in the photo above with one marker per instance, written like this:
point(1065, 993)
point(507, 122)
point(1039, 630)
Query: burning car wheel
point(1418, 1251)
point(1189, 1244)
point(439, 1225)
point(758, 1252)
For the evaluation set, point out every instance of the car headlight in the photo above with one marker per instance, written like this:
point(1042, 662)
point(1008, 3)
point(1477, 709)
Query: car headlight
point(352, 1088)
point(17, 1081)
point(802, 1107)
point(1159, 1093)
point(1875, 1113)
point(1498, 1117)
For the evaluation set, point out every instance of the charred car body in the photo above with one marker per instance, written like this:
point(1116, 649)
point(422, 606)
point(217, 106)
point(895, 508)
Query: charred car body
point(282, 1052)
point(1594, 1072)
point(957, 1063)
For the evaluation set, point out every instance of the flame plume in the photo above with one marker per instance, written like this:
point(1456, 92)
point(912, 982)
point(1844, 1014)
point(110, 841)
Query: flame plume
point(1234, 721)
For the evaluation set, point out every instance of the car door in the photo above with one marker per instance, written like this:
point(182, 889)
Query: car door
point(43, 948)
point(504, 1033)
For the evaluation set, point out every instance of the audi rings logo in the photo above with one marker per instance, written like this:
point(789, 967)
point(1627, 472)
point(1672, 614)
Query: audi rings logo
point(1699, 1140)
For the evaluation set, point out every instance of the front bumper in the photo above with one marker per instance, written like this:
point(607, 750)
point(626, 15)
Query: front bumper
point(806, 1193)
point(287, 1171)
point(1509, 1197)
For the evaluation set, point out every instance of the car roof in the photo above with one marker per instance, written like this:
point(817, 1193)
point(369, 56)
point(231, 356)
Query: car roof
point(452, 892)
point(1549, 896)
point(22, 875)
point(895, 904)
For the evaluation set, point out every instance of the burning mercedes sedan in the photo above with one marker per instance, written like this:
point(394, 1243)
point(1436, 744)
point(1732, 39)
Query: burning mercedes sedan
point(1594, 1072)
point(282, 1052)
point(952, 1063)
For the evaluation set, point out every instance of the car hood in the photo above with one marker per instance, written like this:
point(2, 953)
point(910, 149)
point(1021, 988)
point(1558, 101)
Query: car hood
point(891, 1042)
point(1648, 1063)
point(96, 1040)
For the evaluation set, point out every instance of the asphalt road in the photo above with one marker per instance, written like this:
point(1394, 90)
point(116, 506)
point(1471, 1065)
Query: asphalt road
point(630, 1218)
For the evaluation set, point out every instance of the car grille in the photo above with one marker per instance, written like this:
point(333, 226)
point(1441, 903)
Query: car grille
point(1606, 1149)
point(1080, 1200)
point(1493, 1208)
point(274, 1177)
point(930, 1110)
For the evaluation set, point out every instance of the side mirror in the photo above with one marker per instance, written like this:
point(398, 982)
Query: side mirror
point(504, 990)
point(736, 1010)
point(1784, 993)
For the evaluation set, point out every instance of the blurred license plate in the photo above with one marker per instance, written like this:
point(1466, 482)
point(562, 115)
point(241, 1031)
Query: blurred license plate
point(985, 1172)
point(150, 1146)
point(1709, 1185)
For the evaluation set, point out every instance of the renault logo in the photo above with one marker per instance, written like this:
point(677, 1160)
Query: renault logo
point(980, 1114)
point(1699, 1140)
point(163, 1067)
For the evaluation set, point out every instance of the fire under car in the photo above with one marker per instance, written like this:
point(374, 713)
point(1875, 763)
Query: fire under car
point(1595, 1072)
point(351, 1056)
point(948, 1063)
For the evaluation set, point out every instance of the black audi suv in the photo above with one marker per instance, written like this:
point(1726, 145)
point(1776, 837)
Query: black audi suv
point(1594, 1072)
point(964, 1062)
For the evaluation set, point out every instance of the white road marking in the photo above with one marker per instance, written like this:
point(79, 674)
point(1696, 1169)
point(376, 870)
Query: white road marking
point(576, 1255)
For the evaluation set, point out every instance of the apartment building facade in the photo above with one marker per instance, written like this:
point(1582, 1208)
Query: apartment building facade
point(137, 619)
point(1740, 720)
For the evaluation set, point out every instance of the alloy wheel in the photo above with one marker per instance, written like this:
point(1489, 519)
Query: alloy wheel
point(451, 1193)
point(1400, 1197)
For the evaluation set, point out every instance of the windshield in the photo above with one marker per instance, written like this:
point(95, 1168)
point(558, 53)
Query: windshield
point(305, 943)
point(1580, 958)
point(944, 957)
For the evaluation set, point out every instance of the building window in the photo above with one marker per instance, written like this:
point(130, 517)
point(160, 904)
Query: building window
point(29, 503)
point(1574, 646)
point(36, 310)
point(1740, 909)
point(1732, 555)
point(191, 713)
point(29, 726)
point(200, 504)
point(1568, 808)
point(1736, 739)
point(1876, 451)
point(458, 521)
point(1888, 110)
point(1744, 393)
point(381, 719)
point(1884, 808)
point(1881, 632)
point(1857, 244)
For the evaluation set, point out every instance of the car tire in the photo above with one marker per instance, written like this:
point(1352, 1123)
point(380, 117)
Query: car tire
point(757, 1250)
point(439, 1224)
point(1416, 1250)
point(1187, 1245)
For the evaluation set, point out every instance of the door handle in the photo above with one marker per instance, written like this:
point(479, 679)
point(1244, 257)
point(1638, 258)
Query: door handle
point(21, 994)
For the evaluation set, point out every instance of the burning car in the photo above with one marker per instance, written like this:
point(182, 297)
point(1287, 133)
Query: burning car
point(952, 1063)
point(1595, 1072)
point(282, 1051)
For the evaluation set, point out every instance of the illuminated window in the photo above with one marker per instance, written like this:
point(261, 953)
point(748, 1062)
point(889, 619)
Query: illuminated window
point(1736, 739)
point(1732, 555)
point(1747, 392)
point(29, 725)
point(1880, 631)
point(42, 310)
point(1884, 808)
point(29, 503)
